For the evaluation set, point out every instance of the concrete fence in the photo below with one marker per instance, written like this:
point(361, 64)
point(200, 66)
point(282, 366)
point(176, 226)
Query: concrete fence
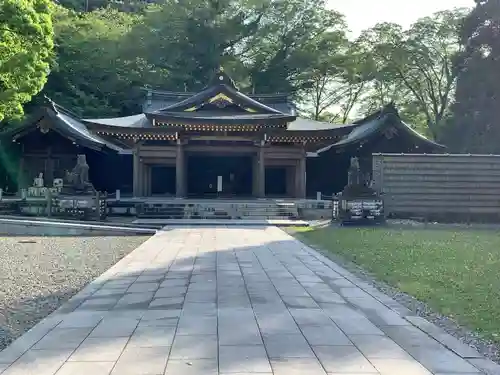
point(439, 186)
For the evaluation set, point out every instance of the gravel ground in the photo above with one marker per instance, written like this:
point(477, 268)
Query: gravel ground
point(487, 348)
point(38, 274)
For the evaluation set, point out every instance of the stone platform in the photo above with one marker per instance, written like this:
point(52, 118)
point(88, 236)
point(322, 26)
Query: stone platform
point(223, 222)
point(234, 300)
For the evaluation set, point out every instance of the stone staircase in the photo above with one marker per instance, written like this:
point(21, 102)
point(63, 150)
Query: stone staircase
point(218, 210)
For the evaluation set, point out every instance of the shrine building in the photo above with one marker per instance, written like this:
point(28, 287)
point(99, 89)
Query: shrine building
point(218, 142)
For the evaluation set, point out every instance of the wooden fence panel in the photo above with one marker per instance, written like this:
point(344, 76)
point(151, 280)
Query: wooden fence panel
point(442, 187)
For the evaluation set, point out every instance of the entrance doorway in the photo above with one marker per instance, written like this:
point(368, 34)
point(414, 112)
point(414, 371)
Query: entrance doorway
point(162, 180)
point(276, 180)
point(233, 174)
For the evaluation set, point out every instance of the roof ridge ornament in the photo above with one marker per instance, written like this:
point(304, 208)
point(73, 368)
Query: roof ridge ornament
point(221, 78)
point(391, 108)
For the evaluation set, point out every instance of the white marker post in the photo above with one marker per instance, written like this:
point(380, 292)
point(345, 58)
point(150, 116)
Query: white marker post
point(219, 184)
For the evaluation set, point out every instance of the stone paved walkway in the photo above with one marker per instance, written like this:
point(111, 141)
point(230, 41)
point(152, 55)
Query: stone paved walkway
point(235, 301)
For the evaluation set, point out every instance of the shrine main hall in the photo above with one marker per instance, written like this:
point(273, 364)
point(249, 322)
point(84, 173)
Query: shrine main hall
point(218, 142)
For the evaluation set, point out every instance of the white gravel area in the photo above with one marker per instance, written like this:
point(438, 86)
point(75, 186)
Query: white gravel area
point(38, 274)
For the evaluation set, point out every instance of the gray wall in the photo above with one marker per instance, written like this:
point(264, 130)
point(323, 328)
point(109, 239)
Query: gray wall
point(439, 187)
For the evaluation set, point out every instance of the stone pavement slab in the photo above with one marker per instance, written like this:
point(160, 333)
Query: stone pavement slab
point(238, 301)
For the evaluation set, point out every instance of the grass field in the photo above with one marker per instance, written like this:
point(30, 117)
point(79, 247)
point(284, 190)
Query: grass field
point(456, 272)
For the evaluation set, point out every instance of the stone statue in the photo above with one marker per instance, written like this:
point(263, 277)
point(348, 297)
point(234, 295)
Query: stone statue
point(77, 181)
point(38, 182)
point(357, 181)
point(354, 173)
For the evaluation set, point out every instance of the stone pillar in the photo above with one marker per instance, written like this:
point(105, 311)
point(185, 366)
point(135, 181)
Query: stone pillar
point(261, 172)
point(136, 185)
point(180, 171)
point(300, 178)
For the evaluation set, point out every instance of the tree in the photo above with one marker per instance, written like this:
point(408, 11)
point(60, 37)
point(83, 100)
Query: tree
point(26, 45)
point(473, 126)
point(91, 5)
point(282, 52)
point(191, 39)
point(90, 76)
point(323, 82)
point(337, 80)
point(418, 67)
point(384, 87)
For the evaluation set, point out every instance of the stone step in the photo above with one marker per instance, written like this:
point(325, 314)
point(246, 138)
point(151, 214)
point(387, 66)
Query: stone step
point(217, 210)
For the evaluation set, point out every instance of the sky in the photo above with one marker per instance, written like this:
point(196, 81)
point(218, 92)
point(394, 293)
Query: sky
point(363, 14)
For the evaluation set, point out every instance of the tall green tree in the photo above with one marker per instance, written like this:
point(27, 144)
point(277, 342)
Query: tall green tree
point(473, 126)
point(26, 45)
point(336, 79)
point(282, 53)
point(91, 5)
point(89, 75)
point(190, 40)
point(418, 67)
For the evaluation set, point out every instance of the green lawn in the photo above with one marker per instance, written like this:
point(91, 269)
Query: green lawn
point(456, 272)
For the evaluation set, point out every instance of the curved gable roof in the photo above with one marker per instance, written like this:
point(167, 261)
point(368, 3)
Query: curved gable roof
point(377, 123)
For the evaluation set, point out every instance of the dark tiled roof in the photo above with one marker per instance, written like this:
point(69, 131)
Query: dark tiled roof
point(157, 100)
point(137, 121)
point(376, 123)
point(68, 125)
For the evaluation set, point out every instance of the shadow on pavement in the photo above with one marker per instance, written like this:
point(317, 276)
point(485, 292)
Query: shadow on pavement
point(220, 301)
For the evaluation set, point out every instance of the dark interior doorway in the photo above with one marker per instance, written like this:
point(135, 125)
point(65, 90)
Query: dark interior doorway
point(203, 172)
point(107, 172)
point(162, 180)
point(276, 182)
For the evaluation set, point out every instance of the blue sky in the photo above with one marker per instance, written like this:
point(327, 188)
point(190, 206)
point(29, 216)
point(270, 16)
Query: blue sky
point(362, 14)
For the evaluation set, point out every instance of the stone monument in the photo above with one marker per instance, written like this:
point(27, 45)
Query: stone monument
point(77, 181)
point(357, 182)
point(359, 203)
point(38, 182)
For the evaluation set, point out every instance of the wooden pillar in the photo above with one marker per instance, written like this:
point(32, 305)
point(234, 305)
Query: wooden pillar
point(146, 180)
point(180, 171)
point(290, 181)
point(20, 174)
point(300, 178)
point(255, 175)
point(136, 185)
point(142, 178)
point(261, 172)
point(49, 169)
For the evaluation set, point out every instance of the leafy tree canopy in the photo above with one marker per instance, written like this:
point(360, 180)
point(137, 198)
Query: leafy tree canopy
point(473, 126)
point(26, 44)
point(106, 50)
point(90, 76)
point(416, 68)
point(91, 5)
